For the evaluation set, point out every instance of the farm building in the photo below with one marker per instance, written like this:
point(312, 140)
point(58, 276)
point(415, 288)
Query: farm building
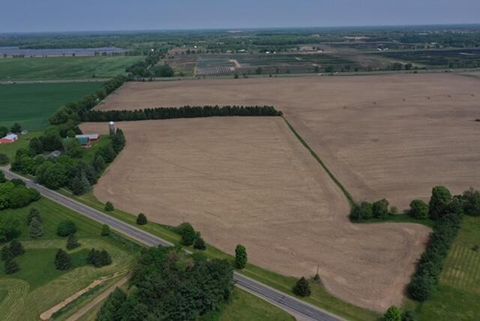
point(86, 139)
point(10, 138)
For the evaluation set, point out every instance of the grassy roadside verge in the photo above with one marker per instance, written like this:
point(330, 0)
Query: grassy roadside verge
point(320, 296)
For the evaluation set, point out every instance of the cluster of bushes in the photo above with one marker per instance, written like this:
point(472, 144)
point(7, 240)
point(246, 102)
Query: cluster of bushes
point(8, 254)
point(99, 258)
point(182, 112)
point(14, 193)
point(366, 211)
point(70, 169)
point(191, 237)
point(446, 211)
point(171, 286)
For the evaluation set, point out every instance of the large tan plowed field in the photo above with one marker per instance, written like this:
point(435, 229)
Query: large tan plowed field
point(250, 181)
point(392, 136)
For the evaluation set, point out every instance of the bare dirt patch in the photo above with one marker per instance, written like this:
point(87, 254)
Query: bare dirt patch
point(393, 136)
point(250, 181)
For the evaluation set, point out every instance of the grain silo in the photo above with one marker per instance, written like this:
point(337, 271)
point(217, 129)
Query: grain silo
point(112, 128)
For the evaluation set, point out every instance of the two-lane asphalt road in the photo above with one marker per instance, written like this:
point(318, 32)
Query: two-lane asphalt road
point(301, 310)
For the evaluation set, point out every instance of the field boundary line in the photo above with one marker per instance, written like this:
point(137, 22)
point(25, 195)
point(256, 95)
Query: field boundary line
point(345, 192)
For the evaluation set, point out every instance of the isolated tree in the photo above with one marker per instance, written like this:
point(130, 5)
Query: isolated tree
point(105, 230)
point(16, 248)
point(66, 228)
point(361, 212)
point(141, 219)
point(72, 242)
point(11, 267)
point(63, 261)
point(240, 257)
point(187, 233)
point(418, 209)
point(380, 209)
point(34, 213)
point(199, 243)
point(109, 207)
point(439, 201)
point(35, 228)
point(105, 258)
point(393, 314)
point(302, 288)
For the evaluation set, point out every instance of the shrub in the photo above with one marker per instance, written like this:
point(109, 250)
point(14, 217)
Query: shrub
point(109, 207)
point(16, 248)
point(439, 201)
point(380, 209)
point(72, 242)
point(302, 288)
point(240, 257)
point(99, 258)
point(63, 261)
point(471, 199)
point(141, 219)
point(393, 314)
point(36, 228)
point(187, 233)
point(105, 230)
point(409, 316)
point(361, 212)
point(418, 209)
point(199, 243)
point(11, 267)
point(34, 213)
point(66, 228)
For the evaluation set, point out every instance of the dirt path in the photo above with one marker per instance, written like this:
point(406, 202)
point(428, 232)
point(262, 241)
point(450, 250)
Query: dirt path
point(100, 298)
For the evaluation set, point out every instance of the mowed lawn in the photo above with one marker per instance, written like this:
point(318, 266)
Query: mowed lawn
point(64, 67)
point(38, 285)
point(458, 296)
point(32, 104)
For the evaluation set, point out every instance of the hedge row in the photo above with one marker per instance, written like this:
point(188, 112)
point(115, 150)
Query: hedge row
point(430, 265)
point(172, 112)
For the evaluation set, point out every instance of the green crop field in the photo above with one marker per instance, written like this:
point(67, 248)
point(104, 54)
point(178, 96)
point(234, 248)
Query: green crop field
point(32, 104)
point(38, 285)
point(459, 292)
point(64, 67)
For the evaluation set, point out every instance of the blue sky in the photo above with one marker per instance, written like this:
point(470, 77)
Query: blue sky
point(79, 15)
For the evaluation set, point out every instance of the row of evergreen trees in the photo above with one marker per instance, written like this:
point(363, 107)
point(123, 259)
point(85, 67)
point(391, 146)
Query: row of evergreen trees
point(181, 112)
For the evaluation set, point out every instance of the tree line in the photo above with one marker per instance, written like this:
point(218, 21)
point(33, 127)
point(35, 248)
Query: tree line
point(170, 285)
point(71, 169)
point(181, 112)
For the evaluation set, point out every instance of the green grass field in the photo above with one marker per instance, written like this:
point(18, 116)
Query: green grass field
point(64, 67)
point(22, 142)
point(459, 292)
point(38, 285)
point(32, 104)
